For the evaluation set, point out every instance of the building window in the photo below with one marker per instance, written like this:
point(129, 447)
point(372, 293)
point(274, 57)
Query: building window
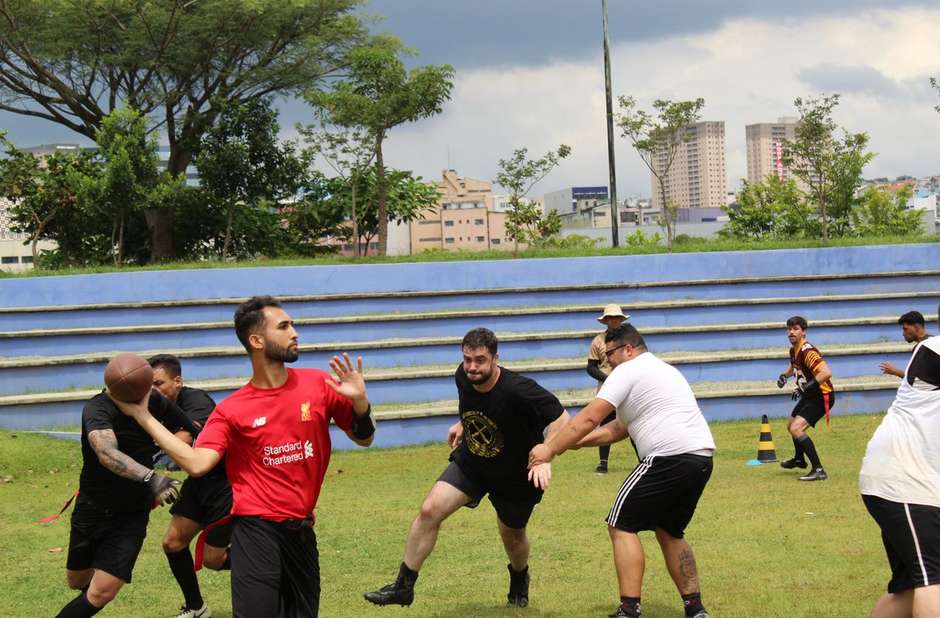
point(448, 224)
point(449, 241)
point(431, 239)
point(481, 238)
point(495, 241)
point(26, 259)
point(430, 222)
point(9, 259)
point(478, 221)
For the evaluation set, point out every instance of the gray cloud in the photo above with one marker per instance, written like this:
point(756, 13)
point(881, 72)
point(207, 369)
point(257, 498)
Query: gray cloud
point(864, 80)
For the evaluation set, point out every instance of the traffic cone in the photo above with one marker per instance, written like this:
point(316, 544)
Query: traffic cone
point(766, 453)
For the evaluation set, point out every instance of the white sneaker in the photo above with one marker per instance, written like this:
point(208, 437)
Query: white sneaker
point(202, 612)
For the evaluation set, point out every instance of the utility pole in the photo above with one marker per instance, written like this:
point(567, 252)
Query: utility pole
point(614, 223)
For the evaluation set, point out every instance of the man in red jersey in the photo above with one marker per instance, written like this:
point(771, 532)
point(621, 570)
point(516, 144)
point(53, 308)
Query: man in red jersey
point(274, 434)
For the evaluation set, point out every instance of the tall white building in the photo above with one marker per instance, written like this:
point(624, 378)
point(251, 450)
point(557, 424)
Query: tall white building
point(697, 177)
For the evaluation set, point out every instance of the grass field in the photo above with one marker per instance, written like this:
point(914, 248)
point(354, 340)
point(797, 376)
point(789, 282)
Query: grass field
point(766, 544)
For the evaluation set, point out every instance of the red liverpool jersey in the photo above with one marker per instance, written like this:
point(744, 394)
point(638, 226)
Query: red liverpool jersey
point(276, 443)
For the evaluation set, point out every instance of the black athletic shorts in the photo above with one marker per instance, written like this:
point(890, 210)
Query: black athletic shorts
point(205, 500)
point(513, 510)
point(275, 569)
point(661, 492)
point(814, 407)
point(911, 536)
point(104, 539)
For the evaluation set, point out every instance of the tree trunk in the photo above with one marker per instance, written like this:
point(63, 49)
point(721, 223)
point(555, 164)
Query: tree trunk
point(355, 221)
point(226, 244)
point(161, 221)
point(666, 219)
point(382, 190)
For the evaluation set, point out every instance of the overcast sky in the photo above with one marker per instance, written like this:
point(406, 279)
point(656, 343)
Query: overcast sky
point(530, 73)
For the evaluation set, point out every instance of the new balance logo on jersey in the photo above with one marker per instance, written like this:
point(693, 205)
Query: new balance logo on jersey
point(259, 422)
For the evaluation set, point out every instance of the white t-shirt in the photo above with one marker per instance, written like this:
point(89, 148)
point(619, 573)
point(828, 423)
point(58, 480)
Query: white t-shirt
point(656, 405)
point(902, 461)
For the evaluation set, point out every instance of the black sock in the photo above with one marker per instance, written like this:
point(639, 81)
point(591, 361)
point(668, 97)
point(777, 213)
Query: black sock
point(79, 607)
point(630, 605)
point(406, 576)
point(810, 449)
point(692, 603)
point(514, 574)
point(604, 452)
point(181, 564)
point(797, 450)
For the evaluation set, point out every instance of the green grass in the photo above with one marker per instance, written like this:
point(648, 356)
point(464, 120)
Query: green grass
point(766, 544)
point(691, 246)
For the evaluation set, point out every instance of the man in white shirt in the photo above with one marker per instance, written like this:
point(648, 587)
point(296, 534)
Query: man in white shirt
point(900, 486)
point(656, 407)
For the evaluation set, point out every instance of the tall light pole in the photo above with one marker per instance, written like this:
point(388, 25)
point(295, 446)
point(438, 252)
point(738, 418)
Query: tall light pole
point(614, 236)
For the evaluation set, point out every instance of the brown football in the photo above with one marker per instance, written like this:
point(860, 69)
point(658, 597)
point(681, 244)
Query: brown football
point(128, 377)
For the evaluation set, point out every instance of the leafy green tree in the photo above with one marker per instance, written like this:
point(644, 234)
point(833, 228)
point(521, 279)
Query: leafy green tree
point(831, 167)
point(121, 191)
point(770, 209)
point(883, 213)
point(377, 95)
point(320, 212)
point(243, 166)
point(524, 220)
point(349, 152)
point(657, 138)
point(639, 239)
point(73, 62)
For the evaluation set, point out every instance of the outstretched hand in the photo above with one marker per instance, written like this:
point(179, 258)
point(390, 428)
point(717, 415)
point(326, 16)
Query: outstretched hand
point(540, 454)
point(540, 475)
point(349, 382)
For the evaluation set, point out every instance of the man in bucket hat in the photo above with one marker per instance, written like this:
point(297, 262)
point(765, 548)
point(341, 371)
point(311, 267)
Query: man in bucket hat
point(598, 367)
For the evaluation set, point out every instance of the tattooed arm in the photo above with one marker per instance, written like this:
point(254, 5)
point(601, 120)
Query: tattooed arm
point(105, 445)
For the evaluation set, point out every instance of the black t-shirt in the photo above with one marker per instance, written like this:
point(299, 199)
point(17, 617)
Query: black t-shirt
point(198, 405)
point(104, 487)
point(500, 427)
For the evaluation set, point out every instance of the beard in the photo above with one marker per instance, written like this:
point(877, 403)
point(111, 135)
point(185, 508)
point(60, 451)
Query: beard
point(284, 354)
point(479, 378)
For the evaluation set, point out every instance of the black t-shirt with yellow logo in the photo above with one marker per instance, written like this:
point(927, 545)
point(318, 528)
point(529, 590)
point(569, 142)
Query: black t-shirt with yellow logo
point(500, 427)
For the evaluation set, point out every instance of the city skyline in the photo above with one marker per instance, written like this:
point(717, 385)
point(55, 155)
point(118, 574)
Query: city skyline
point(543, 85)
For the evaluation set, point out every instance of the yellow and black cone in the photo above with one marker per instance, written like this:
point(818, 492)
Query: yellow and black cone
point(766, 453)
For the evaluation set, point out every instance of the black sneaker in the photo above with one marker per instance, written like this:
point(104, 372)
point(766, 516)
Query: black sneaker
point(601, 468)
point(518, 588)
point(393, 594)
point(793, 463)
point(816, 475)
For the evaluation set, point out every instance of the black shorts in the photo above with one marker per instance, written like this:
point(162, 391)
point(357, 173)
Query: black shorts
point(814, 408)
point(105, 540)
point(205, 500)
point(513, 509)
point(275, 569)
point(911, 536)
point(661, 492)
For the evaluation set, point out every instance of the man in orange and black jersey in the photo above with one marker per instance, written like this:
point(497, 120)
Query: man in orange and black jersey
point(814, 397)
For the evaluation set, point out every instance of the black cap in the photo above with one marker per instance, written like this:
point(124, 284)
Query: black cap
point(912, 317)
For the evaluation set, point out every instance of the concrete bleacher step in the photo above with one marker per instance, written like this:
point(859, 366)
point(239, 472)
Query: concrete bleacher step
point(78, 340)
point(38, 374)
point(412, 386)
point(337, 305)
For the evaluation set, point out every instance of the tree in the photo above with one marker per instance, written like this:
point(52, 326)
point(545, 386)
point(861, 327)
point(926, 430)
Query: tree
point(936, 86)
point(518, 174)
point(829, 166)
point(349, 151)
point(75, 62)
point(243, 166)
point(770, 209)
point(657, 140)
point(882, 213)
point(128, 173)
point(380, 94)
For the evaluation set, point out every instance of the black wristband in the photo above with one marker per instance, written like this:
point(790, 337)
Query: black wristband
point(363, 426)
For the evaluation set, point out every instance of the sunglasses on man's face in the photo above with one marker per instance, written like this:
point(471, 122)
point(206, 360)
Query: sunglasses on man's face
point(610, 352)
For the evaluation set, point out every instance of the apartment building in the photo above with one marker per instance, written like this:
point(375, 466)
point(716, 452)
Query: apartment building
point(697, 177)
point(765, 145)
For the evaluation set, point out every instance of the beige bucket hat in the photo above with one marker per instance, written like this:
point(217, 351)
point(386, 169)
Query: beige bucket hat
point(613, 311)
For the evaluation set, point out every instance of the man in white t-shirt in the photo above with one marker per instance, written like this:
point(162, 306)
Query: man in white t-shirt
point(655, 406)
point(900, 486)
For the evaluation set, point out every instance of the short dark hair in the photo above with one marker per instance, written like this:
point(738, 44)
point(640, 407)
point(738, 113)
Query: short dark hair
point(798, 321)
point(481, 338)
point(249, 316)
point(626, 333)
point(169, 363)
point(913, 318)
